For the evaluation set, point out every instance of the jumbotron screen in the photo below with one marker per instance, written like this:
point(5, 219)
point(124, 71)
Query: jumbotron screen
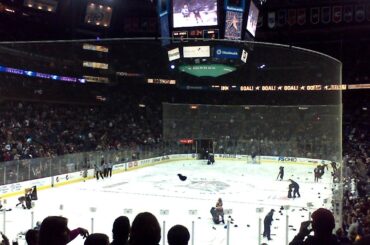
point(252, 19)
point(194, 13)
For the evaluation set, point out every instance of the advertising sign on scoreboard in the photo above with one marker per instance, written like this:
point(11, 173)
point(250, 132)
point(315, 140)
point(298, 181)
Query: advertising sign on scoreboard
point(226, 52)
point(233, 25)
point(196, 51)
point(173, 54)
point(252, 19)
point(235, 5)
point(244, 56)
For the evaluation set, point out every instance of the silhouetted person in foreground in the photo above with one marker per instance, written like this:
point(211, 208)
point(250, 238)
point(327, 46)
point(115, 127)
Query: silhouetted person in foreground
point(32, 237)
point(322, 225)
point(54, 230)
point(97, 239)
point(145, 230)
point(121, 231)
point(178, 235)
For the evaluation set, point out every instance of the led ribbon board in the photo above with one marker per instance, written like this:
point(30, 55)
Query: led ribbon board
point(206, 70)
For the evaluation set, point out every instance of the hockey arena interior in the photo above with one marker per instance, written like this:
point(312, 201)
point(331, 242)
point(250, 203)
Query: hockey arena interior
point(179, 122)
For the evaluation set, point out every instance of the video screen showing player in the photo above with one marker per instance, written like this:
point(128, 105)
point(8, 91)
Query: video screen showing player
point(192, 13)
point(252, 19)
point(233, 25)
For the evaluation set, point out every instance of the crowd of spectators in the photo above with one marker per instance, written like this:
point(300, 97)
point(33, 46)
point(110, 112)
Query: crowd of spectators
point(131, 120)
point(356, 171)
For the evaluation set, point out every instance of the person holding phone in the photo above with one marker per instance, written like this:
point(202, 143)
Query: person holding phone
point(322, 225)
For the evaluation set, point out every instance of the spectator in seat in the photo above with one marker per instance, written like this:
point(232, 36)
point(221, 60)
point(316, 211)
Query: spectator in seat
point(145, 230)
point(54, 230)
point(32, 237)
point(121, 231)
point(97, 239)
point(5, 240)
point(322, 224)
point(178, 235)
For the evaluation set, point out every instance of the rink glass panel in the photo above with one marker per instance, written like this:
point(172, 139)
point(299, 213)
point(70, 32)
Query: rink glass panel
point(290, 131)
point(296, 124)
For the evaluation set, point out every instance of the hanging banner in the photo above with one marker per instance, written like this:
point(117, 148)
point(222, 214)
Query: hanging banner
point(281, 20)
point(315, 16)
point(292, 17)
point(337, 14)
point(325, 15)
point(360, 15)
point(260, 21)
point(271, 21)
point(348, 13)
point(301, 16)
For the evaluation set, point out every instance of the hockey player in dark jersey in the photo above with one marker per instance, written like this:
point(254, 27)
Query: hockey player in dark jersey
point(267, 224)
point(316, 173)
point(26, 200)
point(294, 185)
point(281, 173)
point(334, 166)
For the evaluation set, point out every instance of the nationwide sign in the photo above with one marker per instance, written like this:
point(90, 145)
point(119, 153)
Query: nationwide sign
point(226, 52)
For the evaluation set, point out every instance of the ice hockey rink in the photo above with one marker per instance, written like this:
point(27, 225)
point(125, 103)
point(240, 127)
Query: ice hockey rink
point(157, 189)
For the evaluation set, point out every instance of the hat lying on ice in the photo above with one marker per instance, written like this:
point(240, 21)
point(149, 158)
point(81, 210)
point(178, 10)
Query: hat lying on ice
point(182, 177)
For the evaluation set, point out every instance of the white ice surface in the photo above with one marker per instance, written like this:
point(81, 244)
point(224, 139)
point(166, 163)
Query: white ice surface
point(243, 188)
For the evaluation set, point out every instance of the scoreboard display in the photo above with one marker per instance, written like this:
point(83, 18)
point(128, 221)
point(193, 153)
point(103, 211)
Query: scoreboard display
point(208, 19)
point(194, 13)
point(180, 35)
point(211, 34)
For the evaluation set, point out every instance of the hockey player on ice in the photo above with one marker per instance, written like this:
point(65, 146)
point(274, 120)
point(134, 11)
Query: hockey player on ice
point(185, 11)
point(281, 173)
point(295, 187)
point(267, 224)
point(316, 173)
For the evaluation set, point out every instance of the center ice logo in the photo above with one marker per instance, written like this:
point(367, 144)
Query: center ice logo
point(208, 186)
